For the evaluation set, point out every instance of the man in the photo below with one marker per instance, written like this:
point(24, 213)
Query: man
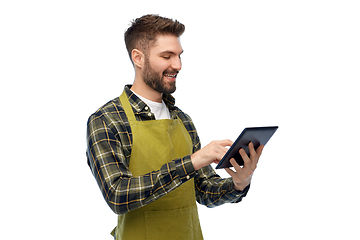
point(145, 152)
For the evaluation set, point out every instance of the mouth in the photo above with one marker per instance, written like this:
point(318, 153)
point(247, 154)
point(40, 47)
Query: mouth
point(170, 76)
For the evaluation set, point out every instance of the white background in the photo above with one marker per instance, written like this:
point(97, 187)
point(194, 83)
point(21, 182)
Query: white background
point(294, 64)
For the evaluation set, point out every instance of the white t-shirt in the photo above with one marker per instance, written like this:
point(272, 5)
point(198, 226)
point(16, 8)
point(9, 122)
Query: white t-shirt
point(158, 109)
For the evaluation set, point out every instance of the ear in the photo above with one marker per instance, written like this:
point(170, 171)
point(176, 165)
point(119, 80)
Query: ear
point(138, 58)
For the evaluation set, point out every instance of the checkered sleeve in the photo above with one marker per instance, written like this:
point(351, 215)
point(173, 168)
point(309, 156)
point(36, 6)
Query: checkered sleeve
point(122, 191)
point(212, 190)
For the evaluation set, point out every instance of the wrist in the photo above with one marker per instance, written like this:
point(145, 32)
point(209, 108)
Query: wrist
point(194, 162)
point(184, 168)
point(241, 187)
point(243, 191)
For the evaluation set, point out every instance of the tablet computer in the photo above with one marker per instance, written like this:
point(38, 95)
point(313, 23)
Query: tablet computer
point(257, 135)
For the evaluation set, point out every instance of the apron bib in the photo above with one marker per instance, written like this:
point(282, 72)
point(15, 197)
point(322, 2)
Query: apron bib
point(173, 216)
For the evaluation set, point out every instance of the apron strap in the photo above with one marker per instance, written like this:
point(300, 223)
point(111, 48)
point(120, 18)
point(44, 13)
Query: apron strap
point(124, 100)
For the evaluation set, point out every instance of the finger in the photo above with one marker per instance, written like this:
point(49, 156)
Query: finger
point(259, 150)
point(220, 151)
point(253, 156)
point(252, 150)
point(245, 157)
point(220, 147)
point(230, 172)
point(226, 143)
point(258, 154)
point(235, 165)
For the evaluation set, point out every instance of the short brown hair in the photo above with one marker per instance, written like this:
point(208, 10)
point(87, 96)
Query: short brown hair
point(144, 31)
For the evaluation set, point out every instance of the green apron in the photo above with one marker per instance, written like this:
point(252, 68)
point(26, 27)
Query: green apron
point(173, 216)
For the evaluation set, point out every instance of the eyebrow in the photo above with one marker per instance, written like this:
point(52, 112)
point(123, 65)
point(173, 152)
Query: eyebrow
point(171, 52)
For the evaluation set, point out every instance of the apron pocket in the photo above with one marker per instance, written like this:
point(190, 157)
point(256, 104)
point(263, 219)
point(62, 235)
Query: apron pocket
point(173, 224)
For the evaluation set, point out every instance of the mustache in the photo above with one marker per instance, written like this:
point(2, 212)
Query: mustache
point(170, 72)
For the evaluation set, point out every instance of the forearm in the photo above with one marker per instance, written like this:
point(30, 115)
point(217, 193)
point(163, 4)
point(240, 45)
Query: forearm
point(124, 192)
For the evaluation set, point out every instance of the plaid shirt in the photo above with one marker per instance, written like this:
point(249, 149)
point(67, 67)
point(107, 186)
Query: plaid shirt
point(109, 144)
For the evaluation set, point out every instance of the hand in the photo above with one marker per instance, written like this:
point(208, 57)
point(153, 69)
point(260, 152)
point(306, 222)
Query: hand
point(242, 175)
point(211, 153)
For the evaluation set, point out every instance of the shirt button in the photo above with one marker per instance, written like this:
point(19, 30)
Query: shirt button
point(187, 177)
point(146, 108)
point(149, 114)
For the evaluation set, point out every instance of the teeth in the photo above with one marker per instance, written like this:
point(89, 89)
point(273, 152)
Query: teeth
point(169, 75)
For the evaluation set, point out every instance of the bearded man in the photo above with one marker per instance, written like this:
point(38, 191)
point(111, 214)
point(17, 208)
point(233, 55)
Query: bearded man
point(145, 153)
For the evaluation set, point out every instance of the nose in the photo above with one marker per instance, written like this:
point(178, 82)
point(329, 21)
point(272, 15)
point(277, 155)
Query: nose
point(176, 63)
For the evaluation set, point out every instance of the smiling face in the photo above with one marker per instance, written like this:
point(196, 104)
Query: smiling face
point(162, 64)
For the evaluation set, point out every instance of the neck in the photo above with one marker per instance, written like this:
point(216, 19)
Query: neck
point(142, 89)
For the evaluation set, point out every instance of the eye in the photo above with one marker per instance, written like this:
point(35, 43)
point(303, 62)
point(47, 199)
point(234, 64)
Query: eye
point(166, 57)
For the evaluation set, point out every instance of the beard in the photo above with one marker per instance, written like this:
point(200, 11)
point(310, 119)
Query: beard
point(156, 80)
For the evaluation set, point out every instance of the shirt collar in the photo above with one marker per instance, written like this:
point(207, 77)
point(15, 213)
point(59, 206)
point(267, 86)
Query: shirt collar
point(139, 105)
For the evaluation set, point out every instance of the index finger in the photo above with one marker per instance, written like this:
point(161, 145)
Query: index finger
point(226, 142)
